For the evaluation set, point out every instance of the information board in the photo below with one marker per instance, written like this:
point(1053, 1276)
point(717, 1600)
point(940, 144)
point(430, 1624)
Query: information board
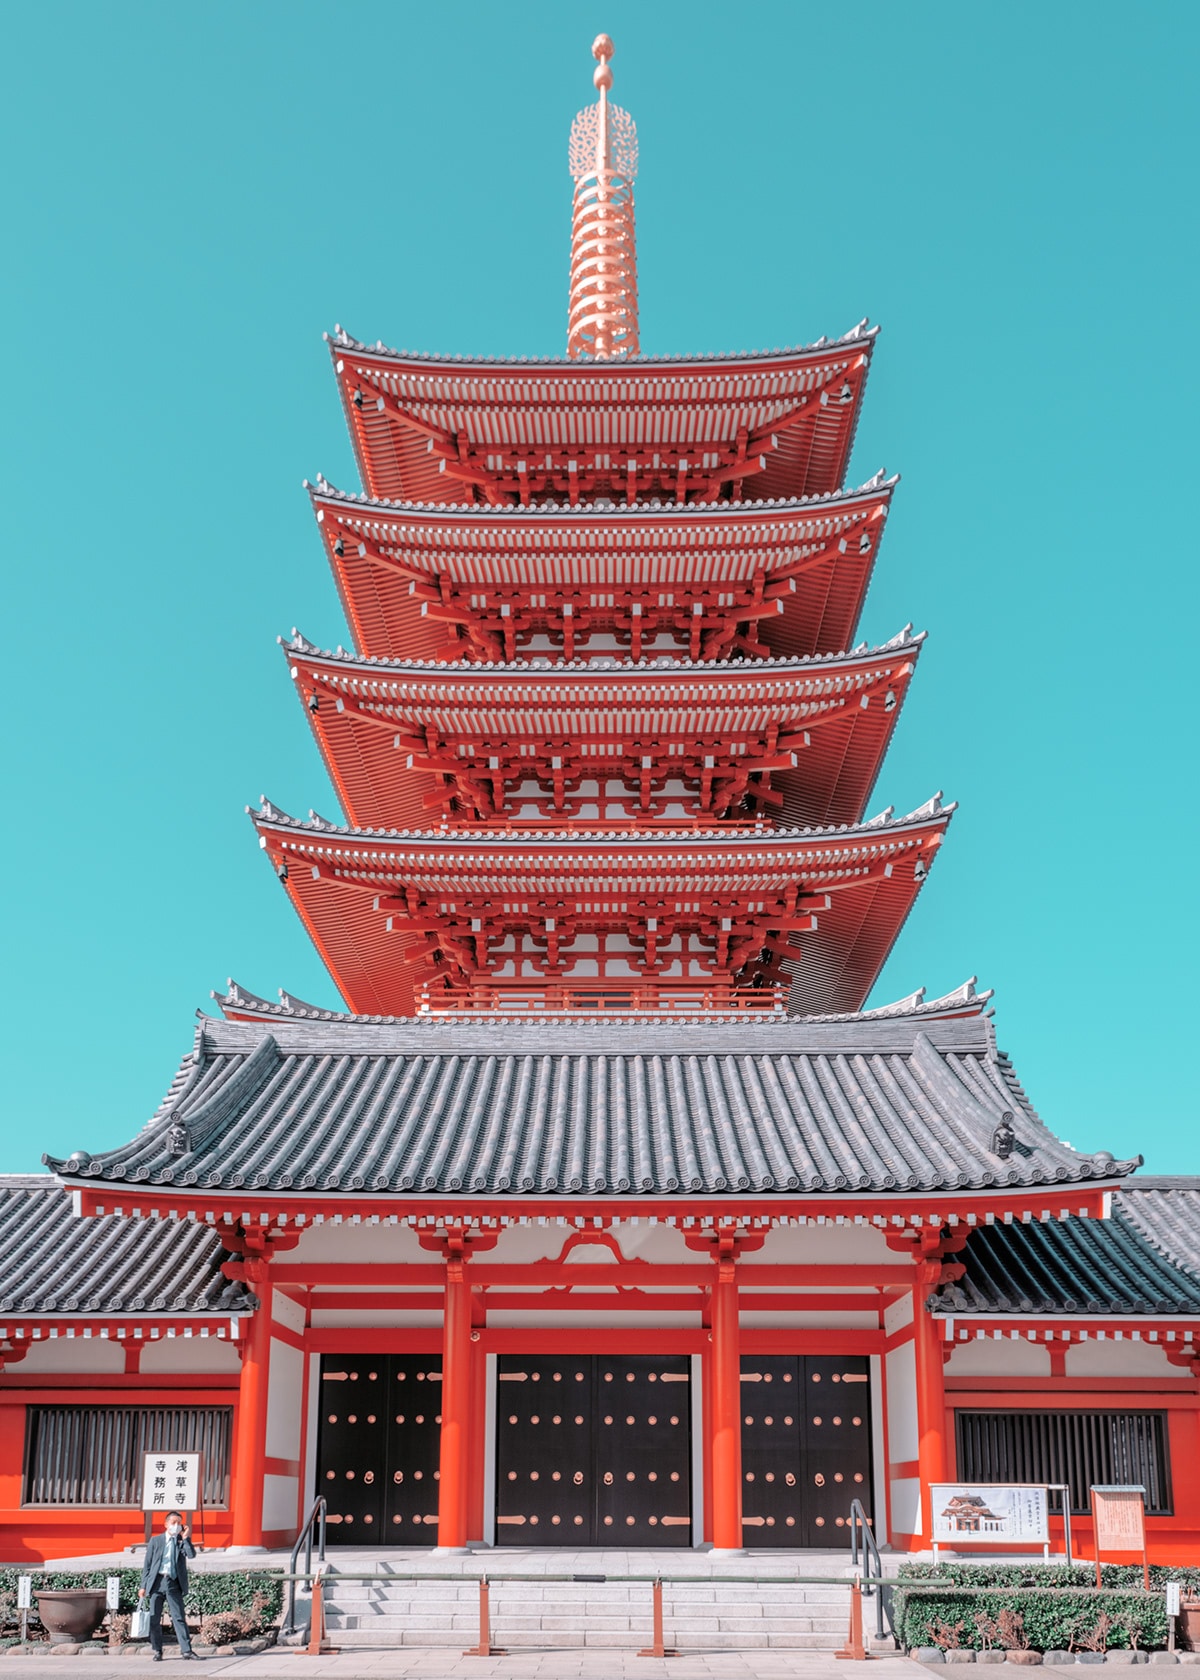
point(1119, 1515)
point(171, 1482)
point(989, 1514)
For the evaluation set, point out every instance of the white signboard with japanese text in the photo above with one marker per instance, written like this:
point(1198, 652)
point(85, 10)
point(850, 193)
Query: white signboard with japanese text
point(171, 1482)
point(984, 1514)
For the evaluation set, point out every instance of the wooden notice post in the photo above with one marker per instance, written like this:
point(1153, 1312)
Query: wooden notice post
point(1119, 1514)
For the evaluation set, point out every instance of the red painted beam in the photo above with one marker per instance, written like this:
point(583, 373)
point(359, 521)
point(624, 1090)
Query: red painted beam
point(590, 1301)
point(552, 1273)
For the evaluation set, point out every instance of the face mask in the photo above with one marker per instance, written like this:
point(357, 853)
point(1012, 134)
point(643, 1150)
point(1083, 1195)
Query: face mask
point(172, 1528)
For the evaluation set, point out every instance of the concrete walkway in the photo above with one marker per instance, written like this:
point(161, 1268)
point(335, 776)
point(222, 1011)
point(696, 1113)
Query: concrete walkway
point(450, 1665)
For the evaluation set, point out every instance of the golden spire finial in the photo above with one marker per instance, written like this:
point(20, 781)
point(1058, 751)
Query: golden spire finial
point(603, 320)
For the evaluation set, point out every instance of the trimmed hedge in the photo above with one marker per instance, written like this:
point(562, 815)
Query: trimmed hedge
point(1046, 1607)
point(1046, 1574)
point(208, 1593)
point(1066, 1620)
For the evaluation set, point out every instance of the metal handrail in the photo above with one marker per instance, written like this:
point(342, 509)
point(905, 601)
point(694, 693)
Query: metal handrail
point(305, 1539)
point(863, 1553)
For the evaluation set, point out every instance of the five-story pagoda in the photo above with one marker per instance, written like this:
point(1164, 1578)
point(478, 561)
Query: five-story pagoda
point(600, 743)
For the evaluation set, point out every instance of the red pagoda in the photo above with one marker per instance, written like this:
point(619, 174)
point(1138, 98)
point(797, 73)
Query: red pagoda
point(601, 742)
point(604, 1113)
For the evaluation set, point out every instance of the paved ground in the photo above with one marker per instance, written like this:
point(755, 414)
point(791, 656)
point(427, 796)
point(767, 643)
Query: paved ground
point(449, 1665)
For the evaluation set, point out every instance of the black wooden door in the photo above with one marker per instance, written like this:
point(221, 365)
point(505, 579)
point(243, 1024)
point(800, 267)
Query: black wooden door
point(414, 1446)
point(377, 1448)
point(592, 1451)
point(806, 1448)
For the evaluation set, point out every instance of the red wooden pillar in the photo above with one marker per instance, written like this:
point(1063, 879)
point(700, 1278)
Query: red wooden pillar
point(726, 1423)
point(454, 1463)
point(932, 1456)
point(478, 1444)
point(249, 1465)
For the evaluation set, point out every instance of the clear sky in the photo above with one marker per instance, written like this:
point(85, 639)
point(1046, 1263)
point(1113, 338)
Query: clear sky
point(194, 192)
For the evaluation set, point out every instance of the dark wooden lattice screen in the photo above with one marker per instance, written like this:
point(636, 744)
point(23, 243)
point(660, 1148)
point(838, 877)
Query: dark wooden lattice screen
point(1079, 1448)
point(92, 1455)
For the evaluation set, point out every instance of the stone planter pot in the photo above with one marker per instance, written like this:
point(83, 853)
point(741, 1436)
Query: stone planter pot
point(71, 1615)
point(1187, 1627)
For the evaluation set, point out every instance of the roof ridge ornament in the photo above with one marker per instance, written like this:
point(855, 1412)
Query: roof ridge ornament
point(602, 319)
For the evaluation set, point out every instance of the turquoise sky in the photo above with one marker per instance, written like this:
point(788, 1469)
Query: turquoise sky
point(194, 192)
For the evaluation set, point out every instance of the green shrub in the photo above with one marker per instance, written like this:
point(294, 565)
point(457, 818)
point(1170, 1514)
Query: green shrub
point(247, 1593)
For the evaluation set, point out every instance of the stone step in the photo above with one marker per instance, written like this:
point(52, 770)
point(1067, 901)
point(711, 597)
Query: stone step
point(700, 1614)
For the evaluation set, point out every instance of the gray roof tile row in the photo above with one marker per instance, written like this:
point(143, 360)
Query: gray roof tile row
point(53, 1262)
point(1145, 1259)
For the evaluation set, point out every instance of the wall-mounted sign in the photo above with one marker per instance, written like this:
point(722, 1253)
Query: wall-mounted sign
point(171, 1482)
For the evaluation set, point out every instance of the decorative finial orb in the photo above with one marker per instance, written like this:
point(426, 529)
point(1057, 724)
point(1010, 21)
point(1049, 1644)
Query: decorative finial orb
point(602, 47)
point(603, 77)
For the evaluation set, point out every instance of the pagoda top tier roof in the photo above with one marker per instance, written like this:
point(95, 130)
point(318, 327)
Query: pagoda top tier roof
point(443, 429)
point(308, 1108)
point(862, 333)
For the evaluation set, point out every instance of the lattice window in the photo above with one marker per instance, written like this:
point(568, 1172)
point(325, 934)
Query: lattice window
point(1076, 1447)
point(92, 1455)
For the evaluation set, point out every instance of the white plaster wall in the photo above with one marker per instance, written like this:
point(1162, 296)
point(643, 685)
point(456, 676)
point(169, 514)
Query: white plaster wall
point(190, 1353)
point(76, 1355)
point(362, 1244)
point(899, 1313)
point(902, 1437)
point(567, 1320)
point(1120, 1359)
point(988, 1358)
point(810, 1320)
point(661, 1243)
point(906, 1506)
point(285, 1401)
point(287, 1312)
point(823, 1245)
point(327, 1318)
point(280, 1502)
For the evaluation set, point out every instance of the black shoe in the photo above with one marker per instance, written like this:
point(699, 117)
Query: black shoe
point(189, 1656)
point(156, 1656)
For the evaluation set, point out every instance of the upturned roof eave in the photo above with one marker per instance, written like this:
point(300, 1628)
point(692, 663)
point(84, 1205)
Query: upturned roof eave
point(860, 336)
point(269, 816)
point(881, 483)
point(906, 643)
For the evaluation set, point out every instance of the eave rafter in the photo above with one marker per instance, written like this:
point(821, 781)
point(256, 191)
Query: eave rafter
point(711, 915)
point(687, 743)
point(487, 585)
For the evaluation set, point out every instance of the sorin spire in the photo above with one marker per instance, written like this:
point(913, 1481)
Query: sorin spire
point(603, 318)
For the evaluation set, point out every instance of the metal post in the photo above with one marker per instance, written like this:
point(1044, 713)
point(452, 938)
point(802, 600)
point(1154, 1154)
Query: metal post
point(485, 1648)
point(316, 1631)
point(855, 1649)
point(658, 1647)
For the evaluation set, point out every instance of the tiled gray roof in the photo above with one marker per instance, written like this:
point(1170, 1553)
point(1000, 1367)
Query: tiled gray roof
point(1089, 1265)
point(53, 1262)
point(631, 1108)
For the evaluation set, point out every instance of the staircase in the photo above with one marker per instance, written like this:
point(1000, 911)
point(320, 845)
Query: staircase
point(700, 1613)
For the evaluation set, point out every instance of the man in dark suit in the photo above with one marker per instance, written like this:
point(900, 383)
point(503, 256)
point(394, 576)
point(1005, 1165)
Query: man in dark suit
point(164, 1576)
